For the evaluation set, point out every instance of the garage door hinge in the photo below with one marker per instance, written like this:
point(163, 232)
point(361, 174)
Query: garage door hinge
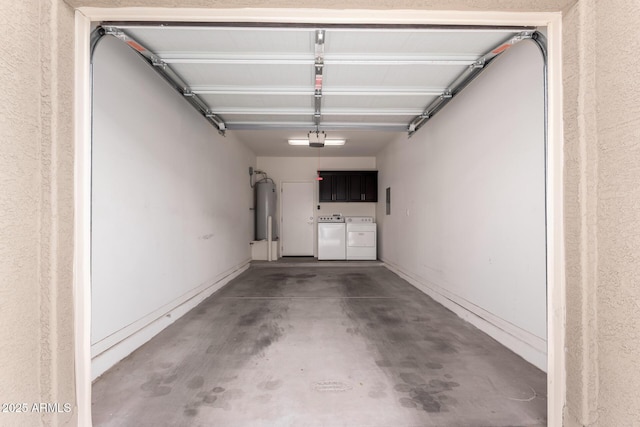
point(480, 63)
point(157, 62)
point(445, 95)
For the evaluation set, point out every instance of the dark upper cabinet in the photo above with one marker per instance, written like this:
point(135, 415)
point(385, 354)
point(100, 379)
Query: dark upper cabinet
point(348, 186)
point(325, 185)
point(356, 190)
point(370, 184)
point(339, 190)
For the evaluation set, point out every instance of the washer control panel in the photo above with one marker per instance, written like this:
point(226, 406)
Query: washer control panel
point(360, 219)
point(331, 218)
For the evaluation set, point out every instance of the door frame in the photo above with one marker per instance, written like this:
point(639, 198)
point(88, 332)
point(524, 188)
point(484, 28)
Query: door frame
point(556, 304)
point(281, 218)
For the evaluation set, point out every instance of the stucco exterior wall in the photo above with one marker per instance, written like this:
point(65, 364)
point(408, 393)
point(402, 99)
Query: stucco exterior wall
point(602, 169)
point(580, 187)
point(617, 45)
point(36, 210)
point(20, 135)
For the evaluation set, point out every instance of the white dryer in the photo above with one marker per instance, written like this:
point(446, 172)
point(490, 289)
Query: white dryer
point(361, 238)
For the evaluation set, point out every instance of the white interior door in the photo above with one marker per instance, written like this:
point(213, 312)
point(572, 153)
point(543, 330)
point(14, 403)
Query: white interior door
point(297, 218)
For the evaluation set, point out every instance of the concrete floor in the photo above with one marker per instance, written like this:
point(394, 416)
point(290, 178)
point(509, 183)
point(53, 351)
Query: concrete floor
point(321, 346)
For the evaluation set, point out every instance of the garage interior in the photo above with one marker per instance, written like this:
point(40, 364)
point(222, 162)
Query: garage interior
point(460, 218)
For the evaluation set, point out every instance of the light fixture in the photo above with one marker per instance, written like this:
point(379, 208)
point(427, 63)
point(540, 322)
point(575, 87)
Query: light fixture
point(316, 139)
point(326, 142)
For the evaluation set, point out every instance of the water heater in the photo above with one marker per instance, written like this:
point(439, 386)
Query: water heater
point(266, 198)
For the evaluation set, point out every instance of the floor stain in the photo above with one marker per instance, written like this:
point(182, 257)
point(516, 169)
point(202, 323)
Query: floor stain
point(171, 378)
point(190, 412)
point(303, 276)
point(153, 387)
point(195, 382)
point(268, 333)
point(430, 397)
point(409, 364)
point(254, 316)
point(411, 378)
point(440, 345)
point(385, 316)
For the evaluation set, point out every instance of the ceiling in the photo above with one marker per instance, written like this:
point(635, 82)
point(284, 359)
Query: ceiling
point(266, 84)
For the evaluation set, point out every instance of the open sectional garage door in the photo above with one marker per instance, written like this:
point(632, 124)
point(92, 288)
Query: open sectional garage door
point(318, 78)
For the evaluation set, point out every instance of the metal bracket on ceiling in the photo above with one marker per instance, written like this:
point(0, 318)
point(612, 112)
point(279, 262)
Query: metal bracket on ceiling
point(319, 67)
point(467, 76)
point(169, 75)
point(157, 62)
point(216, 120)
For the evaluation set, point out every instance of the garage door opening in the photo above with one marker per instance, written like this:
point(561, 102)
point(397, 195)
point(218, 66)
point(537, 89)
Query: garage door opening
point(401, 172)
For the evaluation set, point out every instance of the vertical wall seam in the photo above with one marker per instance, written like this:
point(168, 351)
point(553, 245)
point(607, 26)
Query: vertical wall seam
point(587, 133)
point(54, 175)
point(40, 204)
point(47, 210)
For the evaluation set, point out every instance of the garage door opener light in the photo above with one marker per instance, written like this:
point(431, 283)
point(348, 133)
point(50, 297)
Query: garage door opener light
point(317, 139)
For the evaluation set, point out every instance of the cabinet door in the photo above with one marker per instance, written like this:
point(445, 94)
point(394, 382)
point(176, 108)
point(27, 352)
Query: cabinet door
point(356, 189)
point(370, 184)
point(339, 187)
point(324, 193)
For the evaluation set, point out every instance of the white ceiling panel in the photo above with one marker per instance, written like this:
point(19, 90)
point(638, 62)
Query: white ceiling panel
point(227, 101)
point(232, 118)
point(341, 76)
point(447, 42)
point(245, 75)
point(381, 102)
point(368, 119)
point(163, 40)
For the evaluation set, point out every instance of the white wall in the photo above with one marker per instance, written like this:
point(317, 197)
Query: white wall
point(467, 221)
point(292, 169)
point(171, 197)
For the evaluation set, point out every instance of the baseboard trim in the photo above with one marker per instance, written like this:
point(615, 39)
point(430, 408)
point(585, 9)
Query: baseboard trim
point(112, 349)
point(528, 346)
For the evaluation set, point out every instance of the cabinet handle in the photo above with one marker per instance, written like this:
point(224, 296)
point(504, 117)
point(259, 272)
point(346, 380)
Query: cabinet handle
point(362, 197)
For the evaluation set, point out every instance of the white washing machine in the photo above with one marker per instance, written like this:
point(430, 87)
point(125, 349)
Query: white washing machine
point(361, 238)
point(331, 237)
